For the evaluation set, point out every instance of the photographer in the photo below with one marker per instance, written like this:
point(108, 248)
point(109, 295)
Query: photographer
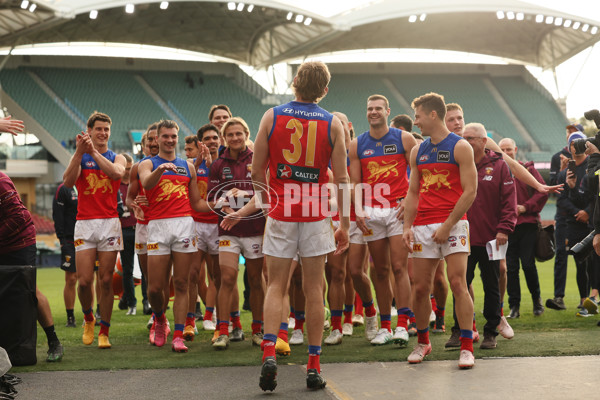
point(576, 201)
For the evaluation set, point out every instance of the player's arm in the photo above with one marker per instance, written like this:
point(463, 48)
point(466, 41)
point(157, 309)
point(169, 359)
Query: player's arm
point(520, 172)
point(114, 170)
point(74, 168)
point(342, 183)
point(134, 187)
point(260, 159)
point(463, 154)
point(411, 202)
point(196, 200)
point(356, 183)
point(149, 178)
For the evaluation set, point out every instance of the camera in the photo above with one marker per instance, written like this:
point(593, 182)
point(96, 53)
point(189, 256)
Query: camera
point(583, 249)
point(579, 144)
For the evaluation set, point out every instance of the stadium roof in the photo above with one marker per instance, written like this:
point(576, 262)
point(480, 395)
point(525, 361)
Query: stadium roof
point(273, 32)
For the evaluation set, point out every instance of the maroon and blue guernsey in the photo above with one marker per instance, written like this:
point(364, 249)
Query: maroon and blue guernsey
point(440, 185)
point(383, 164)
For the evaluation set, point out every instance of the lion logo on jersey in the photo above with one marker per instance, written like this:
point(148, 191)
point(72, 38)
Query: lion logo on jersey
point(202, 189)
point(171, 188)
point(96, 183)
point(381, 171)
point(438, 179)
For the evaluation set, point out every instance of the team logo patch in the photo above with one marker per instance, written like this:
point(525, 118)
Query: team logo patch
point(181, 171)
point(171, 188)
point(249, 167)
point(224, 243)
point(79, 242)
point(390, 149)
point(139, 246)
point(90, 164)
point(417, 247)
point(288, 110)
point(112, 240)
point(424, 158)
point(227, 173)
point(152, 246)
point(201, 171)
point(463, 240)
point(284, 171)
point(255, 246)
point(436, 179)
point(381, 171)
point(98, 182)
point(443, 156)
point(452, 238)
point(186, 243)
point(489, 170)
point(368, 152)
point(370, 233)
point(379, 144)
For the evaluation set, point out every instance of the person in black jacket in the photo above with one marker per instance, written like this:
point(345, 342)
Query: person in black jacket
point(576, 203)
point(64, 213)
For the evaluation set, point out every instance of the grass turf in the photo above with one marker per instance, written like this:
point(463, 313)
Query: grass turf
point(555, 333)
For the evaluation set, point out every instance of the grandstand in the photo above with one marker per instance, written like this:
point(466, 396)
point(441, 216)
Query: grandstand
point(506, 99)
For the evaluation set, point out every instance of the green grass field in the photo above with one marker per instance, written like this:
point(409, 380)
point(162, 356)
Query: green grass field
point(555, 333)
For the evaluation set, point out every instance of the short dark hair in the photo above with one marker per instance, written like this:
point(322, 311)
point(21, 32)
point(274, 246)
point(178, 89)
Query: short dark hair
point(98, 116)
point(403, 121)
point(218, 107)
point(311, 81)
point(167, 124)
point(191, 139)
point(205, 128)
point(431, 102)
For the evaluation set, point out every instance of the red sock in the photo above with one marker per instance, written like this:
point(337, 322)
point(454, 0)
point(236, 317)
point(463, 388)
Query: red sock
point(474, 326)
point(207, 315)
point(299, 324)
point(347, 317)
point(502, 311)
point(336, 323)
point(423, 337)
point(190, 321)
point(403, 321)
point(466, 344)
point(236, 322)
point(370, 311)
point(358, 307)
point(89, 317)
point(177, 334)
point(387, 324)
point(433, 304)
point(223, 328)
point(256, 326)
point(103, 329)
point(268, 349)
point(292, 315)
point(314, 362)
point(412, 320)
point(283, 335)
